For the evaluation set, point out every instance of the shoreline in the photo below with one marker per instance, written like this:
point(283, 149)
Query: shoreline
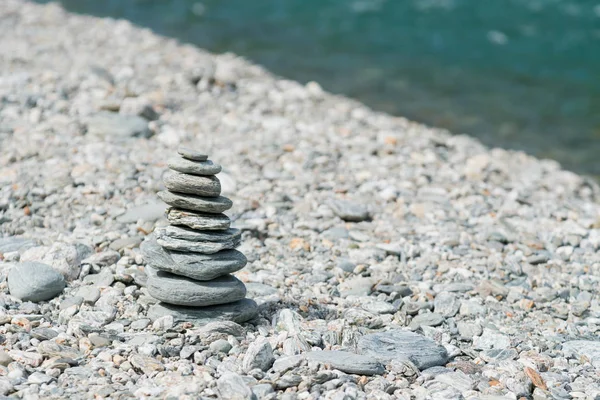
point(491, 254)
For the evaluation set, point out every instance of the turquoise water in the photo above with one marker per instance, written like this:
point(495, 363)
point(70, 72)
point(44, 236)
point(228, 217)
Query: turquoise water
point(519, 74)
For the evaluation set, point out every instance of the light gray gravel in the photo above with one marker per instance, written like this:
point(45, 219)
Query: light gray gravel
point(354, 223)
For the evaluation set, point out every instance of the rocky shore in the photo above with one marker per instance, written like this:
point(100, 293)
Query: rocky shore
point(389, 260)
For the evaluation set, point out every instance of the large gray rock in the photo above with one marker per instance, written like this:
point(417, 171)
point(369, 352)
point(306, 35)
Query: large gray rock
point(240, 311)
point(198, 220)
point(349, 211)
point(348, 362)
point(179, 290)
point(189, 240)
point(114, 125)
point(63, 257)
point(403, 345)
point(587, 348)
point(196, 203)
point(194, 167)
point(201, 267)
point(34, 281)
point(208, 186)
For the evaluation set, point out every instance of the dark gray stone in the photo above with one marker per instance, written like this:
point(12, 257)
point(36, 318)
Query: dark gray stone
point(191, 202)
point(201, 267)
point(188, 240)
point(34, 281)
point(208, 186)
point(191, 154)
point(194, 167)
point(403, 345)
point(240, 311)
point(198, 220)
point(349, 363)
point(114, 125)
point(179, 290)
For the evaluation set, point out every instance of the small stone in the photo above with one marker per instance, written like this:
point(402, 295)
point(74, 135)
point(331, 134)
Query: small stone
point(491, 339)
point(140, 324)
point(215, 205)
point(191, 154)
point(125, 243)
point(28, 358)
point(349, 211)
point(208, 186)
point(198, 220)
point(39, 378)
point(147, 365)
point(5, 359)
point(202, 267)
point(262, 390)
point(99, 341)
point(348, 362)
point(116, 126)
point(15, 243)
point(103, 259)
point(240, 311)
point(259, 355)
point(34, 281)
point(403, 345)
point(426, 319)
point(446, 304)
point(220, 346)
point(231, 386)
point(89, 294)
point(203, 168)
point(286, 363)
point(163, 323)
point(179, 290)
point(497, 355)
point(356, 286)
point(188, 240)
point(468, 330)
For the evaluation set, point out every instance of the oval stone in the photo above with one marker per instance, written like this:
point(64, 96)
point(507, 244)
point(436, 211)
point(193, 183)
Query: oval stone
point(191, 154)
point(179, 290)
point(208, 186)
point(215, 205)
point(194, 167)
point(198, 220)
point(35, 281)
point(202, 267)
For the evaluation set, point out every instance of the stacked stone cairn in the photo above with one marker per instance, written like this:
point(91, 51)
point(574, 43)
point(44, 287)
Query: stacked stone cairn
point(190, 261)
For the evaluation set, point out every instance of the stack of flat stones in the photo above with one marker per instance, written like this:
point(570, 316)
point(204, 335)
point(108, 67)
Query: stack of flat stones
point(190, 261)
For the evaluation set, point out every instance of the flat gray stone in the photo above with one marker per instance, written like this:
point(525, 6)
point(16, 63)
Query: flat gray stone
point(114, 125)
point(587, 348)
point(402, 346)
point(189, 240)
point(349, 363)
point(215, 205)
point(349, 211)
point(259, 355)
point(232, 386)
point(201, 267)
point(147, 212)
point(194, 167)
point(191, 154)
point(446, 304)
point(16, 243)
point(179, 290)
point(34, 281)
point(426, 319)
point(240, 311)
point(198, 220)
point(208, 186)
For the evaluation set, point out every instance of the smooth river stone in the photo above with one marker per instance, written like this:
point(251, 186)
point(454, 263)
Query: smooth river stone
point(199, 221)
point(214, 205)
point(194, 167)
point(206, 242)
point(191, 154)
point(201, 267)
point(208, 186)
point(182, 291)
point(240, 311)
point(34, 281)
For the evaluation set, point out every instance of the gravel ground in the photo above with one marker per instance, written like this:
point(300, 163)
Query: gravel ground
point(389, 259)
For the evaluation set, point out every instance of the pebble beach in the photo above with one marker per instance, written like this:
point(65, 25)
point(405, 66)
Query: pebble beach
point(389, 260)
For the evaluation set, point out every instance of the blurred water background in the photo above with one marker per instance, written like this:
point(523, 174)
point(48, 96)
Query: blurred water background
point(519, 74)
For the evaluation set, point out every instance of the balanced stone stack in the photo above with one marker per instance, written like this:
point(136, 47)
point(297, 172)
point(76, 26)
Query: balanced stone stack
point(190, 262)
